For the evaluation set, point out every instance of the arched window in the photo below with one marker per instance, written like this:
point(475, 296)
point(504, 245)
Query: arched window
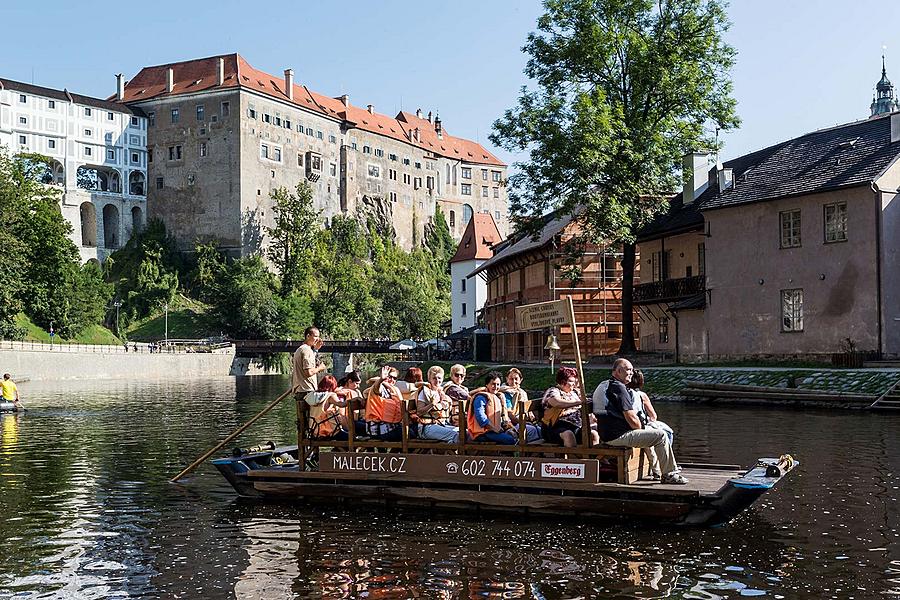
point(136, 183)
point(467, 214)
point(111, 226)
point(88, 225)
point(137, 220)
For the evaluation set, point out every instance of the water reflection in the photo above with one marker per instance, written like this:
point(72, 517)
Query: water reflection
point(89, 513)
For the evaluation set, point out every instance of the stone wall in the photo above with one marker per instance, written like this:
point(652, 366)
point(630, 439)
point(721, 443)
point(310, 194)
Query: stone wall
point(40, 365)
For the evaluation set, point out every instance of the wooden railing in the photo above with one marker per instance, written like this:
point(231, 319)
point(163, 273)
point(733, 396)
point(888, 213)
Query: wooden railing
point(669, 289)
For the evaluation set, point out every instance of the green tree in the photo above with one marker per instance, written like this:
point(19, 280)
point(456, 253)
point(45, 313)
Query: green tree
point(293, 237)
point(624, 88)
point(14, 188)
point(245, 300)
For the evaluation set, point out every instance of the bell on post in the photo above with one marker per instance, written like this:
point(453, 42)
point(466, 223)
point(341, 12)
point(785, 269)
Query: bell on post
point(551, 346)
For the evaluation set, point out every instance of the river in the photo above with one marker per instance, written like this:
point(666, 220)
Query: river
point(89, 513)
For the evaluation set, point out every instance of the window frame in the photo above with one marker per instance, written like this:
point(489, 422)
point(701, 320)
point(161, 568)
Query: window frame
point(789, 242)
point(792, 300)
point(825, 230)
point(664, 330)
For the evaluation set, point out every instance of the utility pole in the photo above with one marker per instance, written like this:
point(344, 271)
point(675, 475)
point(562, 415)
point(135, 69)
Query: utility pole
point(117, 304)
point(166, 308)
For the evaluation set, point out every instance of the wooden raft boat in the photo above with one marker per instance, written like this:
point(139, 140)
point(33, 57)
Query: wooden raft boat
point(534, 479)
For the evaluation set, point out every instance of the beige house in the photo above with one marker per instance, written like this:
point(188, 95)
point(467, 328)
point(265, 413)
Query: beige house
point(788, 251)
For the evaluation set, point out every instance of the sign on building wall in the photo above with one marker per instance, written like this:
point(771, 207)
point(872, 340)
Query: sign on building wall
point(542, 315)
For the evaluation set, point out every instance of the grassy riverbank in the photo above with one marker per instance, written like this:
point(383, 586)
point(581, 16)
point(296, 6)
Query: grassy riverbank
point(92, 334)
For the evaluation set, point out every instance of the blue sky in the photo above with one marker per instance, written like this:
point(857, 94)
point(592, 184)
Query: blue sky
point(801, 65)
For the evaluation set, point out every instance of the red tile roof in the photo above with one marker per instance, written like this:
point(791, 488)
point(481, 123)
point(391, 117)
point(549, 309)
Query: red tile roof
point(481, 233)
point(201, 74)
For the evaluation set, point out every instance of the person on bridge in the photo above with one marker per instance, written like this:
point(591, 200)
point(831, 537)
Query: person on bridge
point(306, 363)
point(621, 425)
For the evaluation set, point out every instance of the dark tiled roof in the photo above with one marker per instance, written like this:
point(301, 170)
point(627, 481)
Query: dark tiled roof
point(843, 156)
point(554, 223)
point(27, 88)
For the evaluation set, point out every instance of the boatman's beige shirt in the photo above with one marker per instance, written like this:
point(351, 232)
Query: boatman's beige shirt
point(304, 359)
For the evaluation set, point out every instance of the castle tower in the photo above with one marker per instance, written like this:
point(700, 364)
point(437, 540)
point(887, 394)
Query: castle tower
point(884, 100)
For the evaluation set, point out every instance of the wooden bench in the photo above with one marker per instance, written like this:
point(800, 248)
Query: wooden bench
point(629, 461)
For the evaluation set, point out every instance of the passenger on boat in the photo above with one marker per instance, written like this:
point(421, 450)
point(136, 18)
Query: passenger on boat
point(306, 364)
point(647, 414)
point(620, 426)
point(384, 407)
point(348, 388)
point(433, 408)
point(513, 394)
point(10, 392)
point(456, 391)
point(409, 388)
point(326, 411)
point(562, 411)
point(487, 419)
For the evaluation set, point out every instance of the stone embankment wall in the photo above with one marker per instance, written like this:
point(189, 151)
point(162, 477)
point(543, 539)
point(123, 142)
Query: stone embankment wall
point(668, 382)
point(37, 365)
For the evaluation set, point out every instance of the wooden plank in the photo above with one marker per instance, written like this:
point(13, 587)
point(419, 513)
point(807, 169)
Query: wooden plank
point(544, 504)
point(644, 487)
point(464, 469)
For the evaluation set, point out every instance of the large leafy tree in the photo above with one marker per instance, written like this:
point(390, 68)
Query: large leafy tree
point(293, 236)
point(624, 89)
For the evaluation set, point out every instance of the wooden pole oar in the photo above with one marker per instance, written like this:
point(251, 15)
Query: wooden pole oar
point(236, 433)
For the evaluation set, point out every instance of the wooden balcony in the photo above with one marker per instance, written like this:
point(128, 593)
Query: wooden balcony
point(669, 290)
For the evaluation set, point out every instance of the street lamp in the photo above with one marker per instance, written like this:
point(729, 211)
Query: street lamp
point(117, 304)
point(551, 345)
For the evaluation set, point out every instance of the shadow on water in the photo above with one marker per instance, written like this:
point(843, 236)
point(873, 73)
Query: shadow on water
point(89, 513)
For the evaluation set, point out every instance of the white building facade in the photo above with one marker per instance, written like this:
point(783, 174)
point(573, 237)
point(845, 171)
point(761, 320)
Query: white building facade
point(98, 159)
point(468, 294)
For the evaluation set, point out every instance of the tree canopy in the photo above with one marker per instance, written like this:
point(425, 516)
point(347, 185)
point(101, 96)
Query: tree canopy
point(624, 88)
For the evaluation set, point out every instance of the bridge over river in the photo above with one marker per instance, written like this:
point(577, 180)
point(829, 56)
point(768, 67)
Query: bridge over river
point(258, 347)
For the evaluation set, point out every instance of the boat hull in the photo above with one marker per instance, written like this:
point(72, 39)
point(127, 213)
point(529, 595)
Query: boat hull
point(717, 494)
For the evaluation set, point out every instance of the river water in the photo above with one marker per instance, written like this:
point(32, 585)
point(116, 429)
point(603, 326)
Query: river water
point(89, 513)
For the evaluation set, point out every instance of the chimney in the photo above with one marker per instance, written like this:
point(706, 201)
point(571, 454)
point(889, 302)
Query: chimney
point(419, 112)
point(170, 79)
point(370, 108)
point(438, 128)
point(895, 127)
point(416, 134)
point(220, 72)
point(289, 83)
point(696, 175)
point(345, 100)
point(726, 179)
point(120, 87)
point(429, 116)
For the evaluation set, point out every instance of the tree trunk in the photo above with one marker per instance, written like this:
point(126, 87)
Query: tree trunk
point(628, 255)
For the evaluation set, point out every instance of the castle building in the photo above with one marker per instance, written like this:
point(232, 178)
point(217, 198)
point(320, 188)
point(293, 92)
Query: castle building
point(223, 136)
point(98, 159)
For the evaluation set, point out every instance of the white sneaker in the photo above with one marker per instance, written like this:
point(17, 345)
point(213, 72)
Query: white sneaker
point(674, 479)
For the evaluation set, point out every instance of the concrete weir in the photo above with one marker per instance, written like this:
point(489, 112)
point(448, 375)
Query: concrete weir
point(38, 365)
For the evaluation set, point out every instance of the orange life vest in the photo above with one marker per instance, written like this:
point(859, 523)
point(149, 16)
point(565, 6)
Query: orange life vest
point(493, 408)
point(384, 410)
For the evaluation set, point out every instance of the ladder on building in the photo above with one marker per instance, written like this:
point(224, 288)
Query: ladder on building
point(890, 400)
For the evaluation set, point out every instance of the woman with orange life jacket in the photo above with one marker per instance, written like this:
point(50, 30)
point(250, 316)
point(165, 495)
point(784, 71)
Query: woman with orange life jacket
point(487, 419)
point(326, 411)
point(348, 389)
point(433, 407)
point(409, 388)
point(384, 407)
point(513, 394)
point(562, 411)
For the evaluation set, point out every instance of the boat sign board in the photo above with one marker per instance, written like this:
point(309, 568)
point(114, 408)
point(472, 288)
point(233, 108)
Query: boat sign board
point(542, 315)
point(462, 469)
